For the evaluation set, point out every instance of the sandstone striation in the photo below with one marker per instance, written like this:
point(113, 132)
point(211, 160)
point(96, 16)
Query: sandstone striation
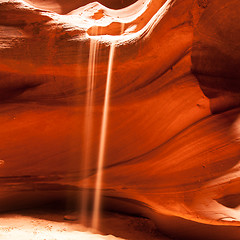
point(173, 134)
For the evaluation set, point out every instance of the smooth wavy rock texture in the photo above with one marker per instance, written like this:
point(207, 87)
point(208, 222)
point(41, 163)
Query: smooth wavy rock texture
point(172, 146)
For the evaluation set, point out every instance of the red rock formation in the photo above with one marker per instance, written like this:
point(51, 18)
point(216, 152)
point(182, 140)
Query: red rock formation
point(173, 134)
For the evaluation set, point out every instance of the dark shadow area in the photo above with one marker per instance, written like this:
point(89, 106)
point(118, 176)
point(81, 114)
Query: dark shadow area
point(230, 201)
point(216, 54)
point(70, 5)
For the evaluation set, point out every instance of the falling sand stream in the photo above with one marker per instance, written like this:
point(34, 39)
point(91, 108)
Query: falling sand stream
point(93, 51)
point(88, 132)
point(123, 38)
point(102, 143)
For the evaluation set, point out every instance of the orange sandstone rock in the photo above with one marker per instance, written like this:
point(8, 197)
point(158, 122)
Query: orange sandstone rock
point(173, 136)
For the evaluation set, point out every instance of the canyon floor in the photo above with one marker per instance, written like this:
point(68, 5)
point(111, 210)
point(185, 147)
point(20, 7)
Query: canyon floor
point(49, 224)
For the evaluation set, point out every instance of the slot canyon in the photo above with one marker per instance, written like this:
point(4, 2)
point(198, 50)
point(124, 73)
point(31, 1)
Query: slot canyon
point(120, 119)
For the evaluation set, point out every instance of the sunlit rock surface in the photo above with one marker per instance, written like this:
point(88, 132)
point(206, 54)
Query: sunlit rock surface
point(173, 132)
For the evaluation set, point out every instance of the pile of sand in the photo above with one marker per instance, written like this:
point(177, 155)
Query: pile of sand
point(29, 228)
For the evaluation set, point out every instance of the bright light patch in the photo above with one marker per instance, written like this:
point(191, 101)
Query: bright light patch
point(236, 129)
point(28, 228)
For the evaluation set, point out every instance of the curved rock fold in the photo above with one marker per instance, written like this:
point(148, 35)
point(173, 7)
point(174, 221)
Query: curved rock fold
point(173, 134)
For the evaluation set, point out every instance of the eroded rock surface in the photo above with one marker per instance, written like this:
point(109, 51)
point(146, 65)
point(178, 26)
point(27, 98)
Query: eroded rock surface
point(173, 133)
